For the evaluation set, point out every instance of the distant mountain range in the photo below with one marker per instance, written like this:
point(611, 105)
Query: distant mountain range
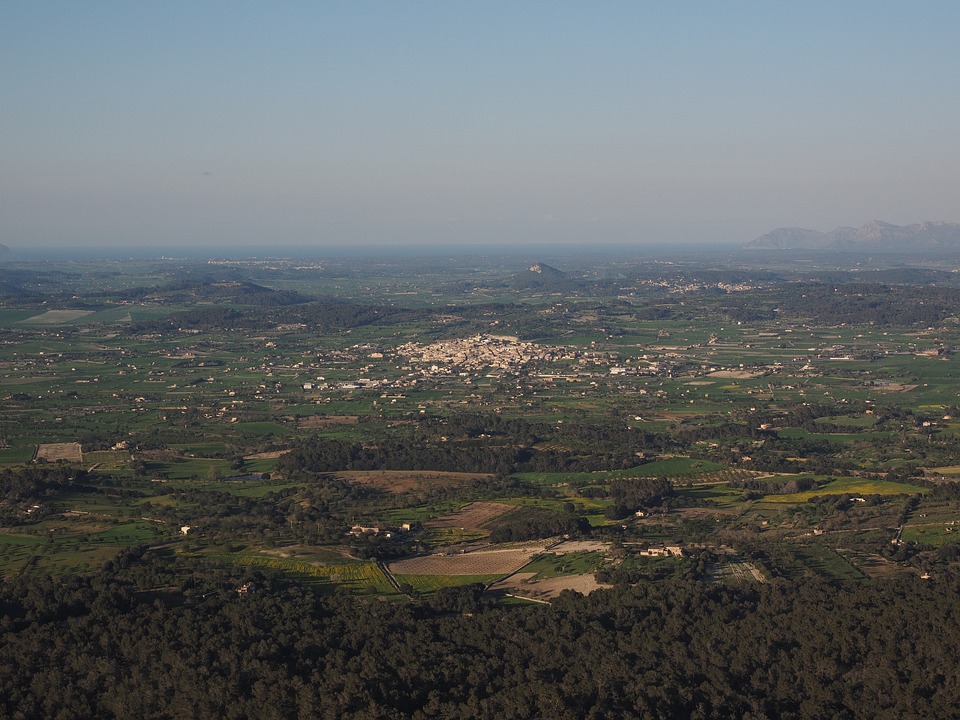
point(874, 236)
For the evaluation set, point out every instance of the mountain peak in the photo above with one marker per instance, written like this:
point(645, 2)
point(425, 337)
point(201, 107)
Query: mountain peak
point(540, 276)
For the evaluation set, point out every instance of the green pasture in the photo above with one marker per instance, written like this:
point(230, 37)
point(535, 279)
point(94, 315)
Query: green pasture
point(549, 565)
point(667, 566)
point(756, 513)
point(13, 316)
point(256, 488)
point(253, 488)
point(318, 555)
point(96, 505)
point(202, 449)
point(850, 486)
point(20, 454)
point(585, 505)
point(121, 314)
point(429, 584)
point(420, 513)
point(673, 467)
point(146, 313)
point(17, 539)
point(721, 495)
point(598, 519)
point(575, 479)
point(948, 470)
point(938, 512)
point(160, 500)
point(827, 563)
point(59, 553)
point(132, 533)
point(357, 577)
point(192, 468)
point(436, 537)
point(347, 433)
point(68, 557)
point(260, 465)
point(949, 430)
point(260, 429)
point(853, 421)
point(839, 438)
point(935, 534)
point(115, 458)
point(18, 556)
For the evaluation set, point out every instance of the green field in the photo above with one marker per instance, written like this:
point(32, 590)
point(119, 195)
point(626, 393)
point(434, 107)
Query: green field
point(850, 486)
point(827, 563)
point(426, 584)
point(698, 390)
point(549, 565)
point(17, 454)
point(436, 537)
point(935, 534)
point(114, 458)
point(357, 577)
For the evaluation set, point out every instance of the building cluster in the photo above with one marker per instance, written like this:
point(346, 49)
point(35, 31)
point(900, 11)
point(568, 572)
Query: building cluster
point(679, 286)
point(485, 351)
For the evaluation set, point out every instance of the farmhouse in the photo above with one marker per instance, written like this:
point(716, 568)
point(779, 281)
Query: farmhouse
point(663, 551)
point(359, 530)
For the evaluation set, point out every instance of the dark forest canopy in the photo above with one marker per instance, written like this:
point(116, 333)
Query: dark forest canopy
point(851, 302)
point(321, 455)
point(95, 647)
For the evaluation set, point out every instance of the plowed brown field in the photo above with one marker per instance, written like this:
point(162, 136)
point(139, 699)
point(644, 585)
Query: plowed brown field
point(480, 562)
point(472, 516)
point(398, 481)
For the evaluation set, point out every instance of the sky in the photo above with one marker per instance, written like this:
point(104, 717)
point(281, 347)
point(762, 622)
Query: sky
point(471, 124)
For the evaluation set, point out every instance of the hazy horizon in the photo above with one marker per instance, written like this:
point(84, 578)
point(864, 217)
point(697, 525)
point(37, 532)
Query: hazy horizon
point(204, 126)
point(532, 252)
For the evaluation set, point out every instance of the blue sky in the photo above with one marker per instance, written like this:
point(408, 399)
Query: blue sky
point(245, 123)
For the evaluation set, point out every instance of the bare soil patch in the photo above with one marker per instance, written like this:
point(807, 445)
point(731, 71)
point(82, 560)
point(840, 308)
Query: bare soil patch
point(480, 562)
point(894, 387)
point(398, 481)
point(160, 455)
point(734, 374)
point(307, 552)
point(700, 513)
point(581, 546)
point(522, 585)
point(671, 416)
point(873, 566)
point(56, 317)
point(68, 452)
point(473, 516)
point(272, 455)
point(315, 421)
point(735, 570)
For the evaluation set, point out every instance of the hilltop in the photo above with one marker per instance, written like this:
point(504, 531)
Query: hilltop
point(540, 275)
point(208, 289)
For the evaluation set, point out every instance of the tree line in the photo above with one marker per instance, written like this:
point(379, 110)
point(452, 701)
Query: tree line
point(100, 646)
